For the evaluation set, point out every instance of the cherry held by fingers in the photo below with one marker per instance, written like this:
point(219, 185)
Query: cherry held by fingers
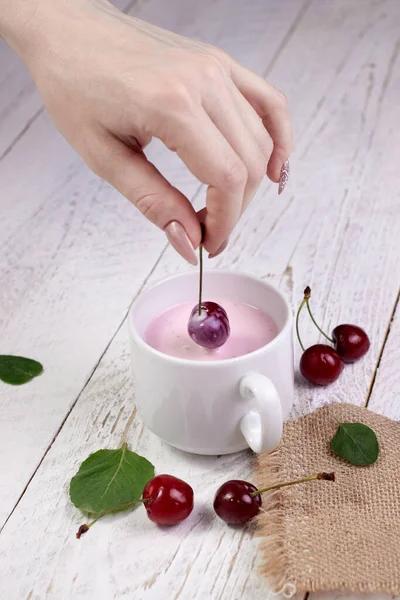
point(351, 342)
point(167, 499)
point(209, 326)
point(208, 323)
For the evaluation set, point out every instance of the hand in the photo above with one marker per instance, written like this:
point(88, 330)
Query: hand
point(112, 82)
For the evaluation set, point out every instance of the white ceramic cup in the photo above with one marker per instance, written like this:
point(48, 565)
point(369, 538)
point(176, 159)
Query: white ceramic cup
point(214, 407)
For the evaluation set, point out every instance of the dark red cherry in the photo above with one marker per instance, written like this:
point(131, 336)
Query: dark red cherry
point(209, 327)
point(234, 504)
point(321, 364)
point(351, 342)
point(167, 500)
point(238, 501)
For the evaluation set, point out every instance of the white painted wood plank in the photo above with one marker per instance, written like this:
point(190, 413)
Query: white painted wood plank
point(385, 396)
point(19, 100)
point(73, 254)
point(128, 556)
point(134, 558)
point(314, 234)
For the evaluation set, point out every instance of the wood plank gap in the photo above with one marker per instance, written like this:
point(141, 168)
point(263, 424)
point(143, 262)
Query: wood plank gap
point(287, 37)
point(385, 339)
point(23, 131)
point(128, 8)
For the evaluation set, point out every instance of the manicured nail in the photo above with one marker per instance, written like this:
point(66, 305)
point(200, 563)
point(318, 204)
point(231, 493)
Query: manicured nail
point(219, 251)
point(284, 176)
point(179, 239)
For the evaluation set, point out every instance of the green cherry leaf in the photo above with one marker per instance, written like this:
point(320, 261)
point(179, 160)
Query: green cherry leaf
point(356, 443)
point(17, 370)
point(110, 481)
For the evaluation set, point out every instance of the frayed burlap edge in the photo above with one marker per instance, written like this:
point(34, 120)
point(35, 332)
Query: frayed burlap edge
point(270, 527)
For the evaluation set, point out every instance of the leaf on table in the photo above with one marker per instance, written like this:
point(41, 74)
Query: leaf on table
point(110, 481)
point(356, 443)
point(17, 370)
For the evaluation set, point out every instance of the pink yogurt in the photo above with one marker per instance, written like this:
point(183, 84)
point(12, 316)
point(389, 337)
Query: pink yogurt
point(251, 329)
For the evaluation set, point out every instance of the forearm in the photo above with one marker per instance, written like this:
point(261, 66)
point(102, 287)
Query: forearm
point(16, 19)
point(26, 24)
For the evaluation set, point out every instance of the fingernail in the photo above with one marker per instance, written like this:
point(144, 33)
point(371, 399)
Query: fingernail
point(179, 239)
point(284, 176)
point(220, 250)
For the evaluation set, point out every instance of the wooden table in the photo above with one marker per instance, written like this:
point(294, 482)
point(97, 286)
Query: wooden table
point(74, 254)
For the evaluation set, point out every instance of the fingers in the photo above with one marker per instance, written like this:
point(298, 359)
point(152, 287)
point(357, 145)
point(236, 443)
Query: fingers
point(211, 158)
point(255, 128)
point(228, 137)
point(244, 131)
point(271, 106)
point(139, 181)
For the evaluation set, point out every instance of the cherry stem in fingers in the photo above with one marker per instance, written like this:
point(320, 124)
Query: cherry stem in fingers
point(201, 266)
point(201, 276)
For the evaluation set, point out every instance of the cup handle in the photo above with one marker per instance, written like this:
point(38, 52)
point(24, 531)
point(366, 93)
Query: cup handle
point(262, 426)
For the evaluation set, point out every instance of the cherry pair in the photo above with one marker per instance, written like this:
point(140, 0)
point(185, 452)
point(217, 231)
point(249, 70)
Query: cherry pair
point(169, 500)
point(321, 364)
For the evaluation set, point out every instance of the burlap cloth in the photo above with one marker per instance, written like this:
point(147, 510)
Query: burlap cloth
point(322, 535)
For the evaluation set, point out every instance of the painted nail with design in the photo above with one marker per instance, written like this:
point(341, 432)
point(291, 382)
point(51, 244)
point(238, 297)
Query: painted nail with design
point(284, 176)
point(179, 239)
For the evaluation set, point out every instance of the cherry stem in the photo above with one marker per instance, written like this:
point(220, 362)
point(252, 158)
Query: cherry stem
point(297, 323)
point(315, 322)
point(201, 266)
point(84, 528)
point(306, 300)
point(201, 277)
point(277, 486)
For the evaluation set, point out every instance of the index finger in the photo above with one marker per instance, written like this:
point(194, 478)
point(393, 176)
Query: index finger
point(210, 157)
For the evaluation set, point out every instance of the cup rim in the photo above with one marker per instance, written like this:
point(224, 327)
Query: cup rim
point(209, 363)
